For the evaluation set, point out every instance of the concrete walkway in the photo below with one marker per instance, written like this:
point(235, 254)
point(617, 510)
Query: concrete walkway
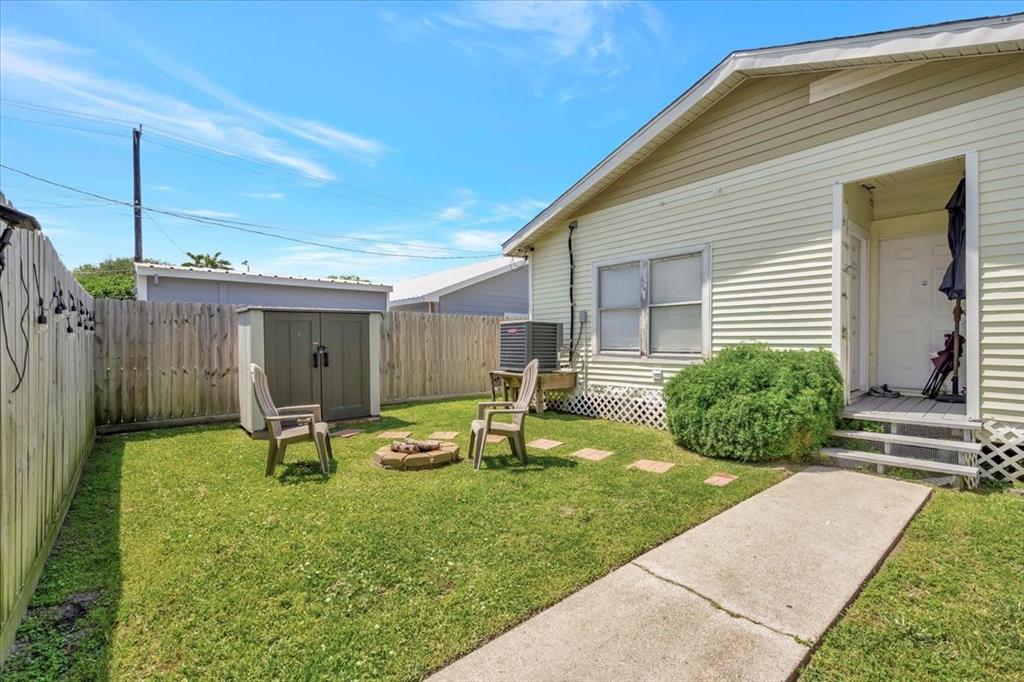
point(743, 596)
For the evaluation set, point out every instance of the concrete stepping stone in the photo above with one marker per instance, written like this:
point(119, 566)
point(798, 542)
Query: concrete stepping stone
point(592, 454)
point(442, 435)
point(652, 465)
point(544, 444)
point(720, 479)
point(394, 434)
point(491, 438)
point(346, 433)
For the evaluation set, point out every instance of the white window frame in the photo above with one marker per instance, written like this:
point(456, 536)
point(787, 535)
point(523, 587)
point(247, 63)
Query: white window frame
point(645, 332)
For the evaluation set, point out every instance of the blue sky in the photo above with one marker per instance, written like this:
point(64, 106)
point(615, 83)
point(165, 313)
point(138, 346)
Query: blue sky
point(406, 130)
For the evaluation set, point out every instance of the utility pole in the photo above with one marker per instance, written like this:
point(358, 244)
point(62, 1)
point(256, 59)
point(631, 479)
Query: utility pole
point(136, 137)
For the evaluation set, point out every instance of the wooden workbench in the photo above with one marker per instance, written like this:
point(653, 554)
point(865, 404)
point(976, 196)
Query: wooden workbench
point(546, 381)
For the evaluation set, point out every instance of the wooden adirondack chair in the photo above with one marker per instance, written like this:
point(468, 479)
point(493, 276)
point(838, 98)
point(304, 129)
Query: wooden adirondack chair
point(310, 427)
point(485, 423)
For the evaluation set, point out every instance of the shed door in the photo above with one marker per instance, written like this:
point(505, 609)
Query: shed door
point(346, 371)
point(291, 340)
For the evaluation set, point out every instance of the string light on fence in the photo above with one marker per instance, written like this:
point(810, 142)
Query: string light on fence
point(58, 293)
point(41, 317)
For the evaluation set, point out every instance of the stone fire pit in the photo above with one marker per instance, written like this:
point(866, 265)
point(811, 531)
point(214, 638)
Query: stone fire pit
point(408, 454)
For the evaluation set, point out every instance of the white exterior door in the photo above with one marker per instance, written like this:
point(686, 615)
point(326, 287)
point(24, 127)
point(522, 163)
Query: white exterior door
point(856, 286)
point(913, 314)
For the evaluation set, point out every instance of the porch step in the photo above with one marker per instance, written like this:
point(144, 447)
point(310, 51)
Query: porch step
point(945, 422)
point(918, 441)
point(902, 462)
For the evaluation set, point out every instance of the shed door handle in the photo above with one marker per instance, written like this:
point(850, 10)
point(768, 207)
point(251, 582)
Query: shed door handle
point(327, 356)
point(316, 354)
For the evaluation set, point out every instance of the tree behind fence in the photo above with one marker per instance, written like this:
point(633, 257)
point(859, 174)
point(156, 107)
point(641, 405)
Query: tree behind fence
point(164, 361)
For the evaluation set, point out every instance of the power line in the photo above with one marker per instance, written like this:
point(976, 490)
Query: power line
point(417, 214)
point(195, 142)
point(240, 226)
point(331, 235)
point(59, 125)
point(49, 204)
point(104, 204)
point(33, 106)
point(164, 233)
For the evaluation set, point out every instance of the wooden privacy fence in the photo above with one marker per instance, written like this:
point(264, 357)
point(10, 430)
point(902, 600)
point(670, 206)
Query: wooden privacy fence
point(426, 355)
point(46, 413)
point(164, 361)
point(158, 362)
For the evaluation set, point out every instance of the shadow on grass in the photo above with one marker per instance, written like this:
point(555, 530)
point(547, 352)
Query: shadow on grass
point(305, 471)
point(68, 631)
point(514, 465)
point(551, 415)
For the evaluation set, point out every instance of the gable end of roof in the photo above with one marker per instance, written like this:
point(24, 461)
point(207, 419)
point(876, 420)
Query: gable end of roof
point(973, 37)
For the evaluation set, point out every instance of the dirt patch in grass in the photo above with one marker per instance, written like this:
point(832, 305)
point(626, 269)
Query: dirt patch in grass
point(64, 622)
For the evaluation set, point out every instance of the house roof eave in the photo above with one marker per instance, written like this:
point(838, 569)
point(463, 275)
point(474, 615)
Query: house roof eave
point(903, 45)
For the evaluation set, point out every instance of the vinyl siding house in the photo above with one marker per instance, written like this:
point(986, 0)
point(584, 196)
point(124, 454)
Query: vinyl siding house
point(497, 286)
point(183, 284)
point(796, 195)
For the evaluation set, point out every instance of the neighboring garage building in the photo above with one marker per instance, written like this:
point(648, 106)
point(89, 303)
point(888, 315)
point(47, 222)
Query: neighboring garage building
point(182, 284)
point(494, 287)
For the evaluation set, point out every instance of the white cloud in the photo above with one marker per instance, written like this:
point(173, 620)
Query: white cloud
point(478, 240)
point(453, 213)
point(207, 213)
point(273, 196)
point(43, 68)
point(405, 28)
point(315, 261)
point(591, 35)
point(524, 209)
point(562, 27)
point(566, 95)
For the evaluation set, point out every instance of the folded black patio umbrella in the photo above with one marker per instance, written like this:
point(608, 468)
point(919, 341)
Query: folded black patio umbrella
point(954, 281)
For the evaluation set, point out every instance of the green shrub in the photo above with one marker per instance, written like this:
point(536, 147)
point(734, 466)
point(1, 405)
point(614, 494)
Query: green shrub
point(752, 403)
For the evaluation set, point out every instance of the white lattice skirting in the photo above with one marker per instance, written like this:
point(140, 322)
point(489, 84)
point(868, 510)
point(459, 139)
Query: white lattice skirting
point(644, 406)
point(1002, 452)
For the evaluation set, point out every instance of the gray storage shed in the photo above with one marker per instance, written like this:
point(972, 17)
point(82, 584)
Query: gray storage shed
point(185, 284)
point(311, 356)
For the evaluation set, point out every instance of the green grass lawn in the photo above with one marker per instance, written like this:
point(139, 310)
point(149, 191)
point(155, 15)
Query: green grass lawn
point(179, 559)
point(948, 604)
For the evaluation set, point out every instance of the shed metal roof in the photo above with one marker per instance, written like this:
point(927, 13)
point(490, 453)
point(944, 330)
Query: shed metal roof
point(188, 272)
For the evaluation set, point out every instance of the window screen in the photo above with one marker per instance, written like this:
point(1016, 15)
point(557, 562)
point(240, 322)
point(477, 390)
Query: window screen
point(658, 300)
point(620, 298)
point(676, 280)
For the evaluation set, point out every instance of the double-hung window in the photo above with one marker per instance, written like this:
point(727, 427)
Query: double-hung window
point(620, 302)
point(653, 305)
